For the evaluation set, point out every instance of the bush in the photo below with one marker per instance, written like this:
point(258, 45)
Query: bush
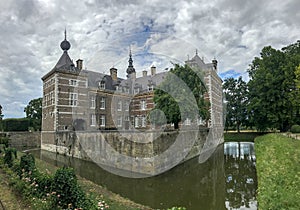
point(67, 190)
point(4, 140)
point(9, 155)
point(18, 124)
point(27, 163)
point(295, 129)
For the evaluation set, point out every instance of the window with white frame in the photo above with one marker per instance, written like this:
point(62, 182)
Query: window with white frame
point(93, 120)
point(119, 121)
point(143, 119)
point(126, 105)
point(73, 99)
point(102, 120)
point(102, 103)
point(126, 118)
point(143, 104)
point(102, 85)
point(136, 90)
point(93, 102)
point(150, 87)
point(73, 82)
point(119, 105)
point(188, 121)
point(136, 122)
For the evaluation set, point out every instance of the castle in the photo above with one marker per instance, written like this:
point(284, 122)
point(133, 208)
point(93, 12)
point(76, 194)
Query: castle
point(76, 99)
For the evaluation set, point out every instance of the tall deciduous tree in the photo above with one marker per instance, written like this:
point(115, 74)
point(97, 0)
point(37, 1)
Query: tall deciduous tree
point(181, 95)
point(236, 93)
point(1, 116)
point(34, 112)
point(272, 87)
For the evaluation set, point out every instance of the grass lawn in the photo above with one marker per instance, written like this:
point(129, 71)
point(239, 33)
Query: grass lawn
point(278, 172)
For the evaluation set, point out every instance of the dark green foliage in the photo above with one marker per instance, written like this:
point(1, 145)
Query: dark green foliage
point(236, 95)
point(295, 129)
point(34, 112)
point(181, 96)
point(27, 163)
point(21, 124)
point(67, 190)
point(272, 88)
point(4, 141)
point(9, 155)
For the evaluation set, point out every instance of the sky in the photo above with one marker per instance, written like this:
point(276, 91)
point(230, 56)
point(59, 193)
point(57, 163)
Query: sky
point(159, 32)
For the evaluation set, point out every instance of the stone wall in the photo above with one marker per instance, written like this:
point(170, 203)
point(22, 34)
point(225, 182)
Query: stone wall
point(23, 139)
point(144, 153)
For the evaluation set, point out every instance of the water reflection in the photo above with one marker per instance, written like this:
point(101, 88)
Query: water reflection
point(223, 181)
point(240, 170)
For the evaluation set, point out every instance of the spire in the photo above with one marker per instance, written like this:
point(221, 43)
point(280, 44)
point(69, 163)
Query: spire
point(130, 68)
point(65, 45)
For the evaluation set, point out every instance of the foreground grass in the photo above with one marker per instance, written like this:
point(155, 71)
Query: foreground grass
point(278, 172)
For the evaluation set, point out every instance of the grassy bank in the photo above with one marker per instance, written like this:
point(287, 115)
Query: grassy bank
point(278, 172)
point(13, 197)
point(242, 136)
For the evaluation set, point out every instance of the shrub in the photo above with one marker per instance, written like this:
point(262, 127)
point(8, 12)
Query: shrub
point(9, 155)
point(4, 140)
point(67, 190)
point(295, 129)
point(27, 163)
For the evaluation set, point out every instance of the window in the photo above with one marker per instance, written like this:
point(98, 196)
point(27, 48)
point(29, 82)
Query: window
point(119, 105)
point(143, 105)
point(102, 85)
point(93, 120)
point(73, 82)
point(126, 118)
point(126, 90)
point(150, 88)
point(73, 99)
point(102, 103)
point(136, 122)
point(132, 120)
point(119, 121)
point(187, 121)
point(136, 90)
point(126, 106)
point(93, 102)
point(102, 120)
point(143, 121)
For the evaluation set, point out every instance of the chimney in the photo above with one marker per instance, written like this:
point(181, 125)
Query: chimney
point(144, 73)
point(215, 64)
point(153, 70)
point(79, 64)
point(114, 74)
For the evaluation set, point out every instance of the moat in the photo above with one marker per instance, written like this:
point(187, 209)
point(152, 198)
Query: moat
point(226, 180)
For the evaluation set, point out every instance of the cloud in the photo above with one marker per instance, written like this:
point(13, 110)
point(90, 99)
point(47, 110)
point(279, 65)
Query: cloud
point(100, 32)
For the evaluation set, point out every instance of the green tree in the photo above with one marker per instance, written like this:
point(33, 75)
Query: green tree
point(236, 93)
point(181, 95)
point(34, 112)
point(272, 87)
point(1, 117)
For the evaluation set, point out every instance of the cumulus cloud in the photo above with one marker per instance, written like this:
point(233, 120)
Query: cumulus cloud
point(100, 32)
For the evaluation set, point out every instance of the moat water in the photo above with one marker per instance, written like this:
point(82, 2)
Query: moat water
point(227, 180)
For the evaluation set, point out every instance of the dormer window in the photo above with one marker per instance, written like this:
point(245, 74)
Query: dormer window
point(102, 85)
point(150, 87)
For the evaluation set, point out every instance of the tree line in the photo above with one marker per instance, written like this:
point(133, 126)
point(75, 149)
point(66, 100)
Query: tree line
point(271, 97)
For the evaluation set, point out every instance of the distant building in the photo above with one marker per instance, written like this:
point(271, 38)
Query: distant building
point(84, 100)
